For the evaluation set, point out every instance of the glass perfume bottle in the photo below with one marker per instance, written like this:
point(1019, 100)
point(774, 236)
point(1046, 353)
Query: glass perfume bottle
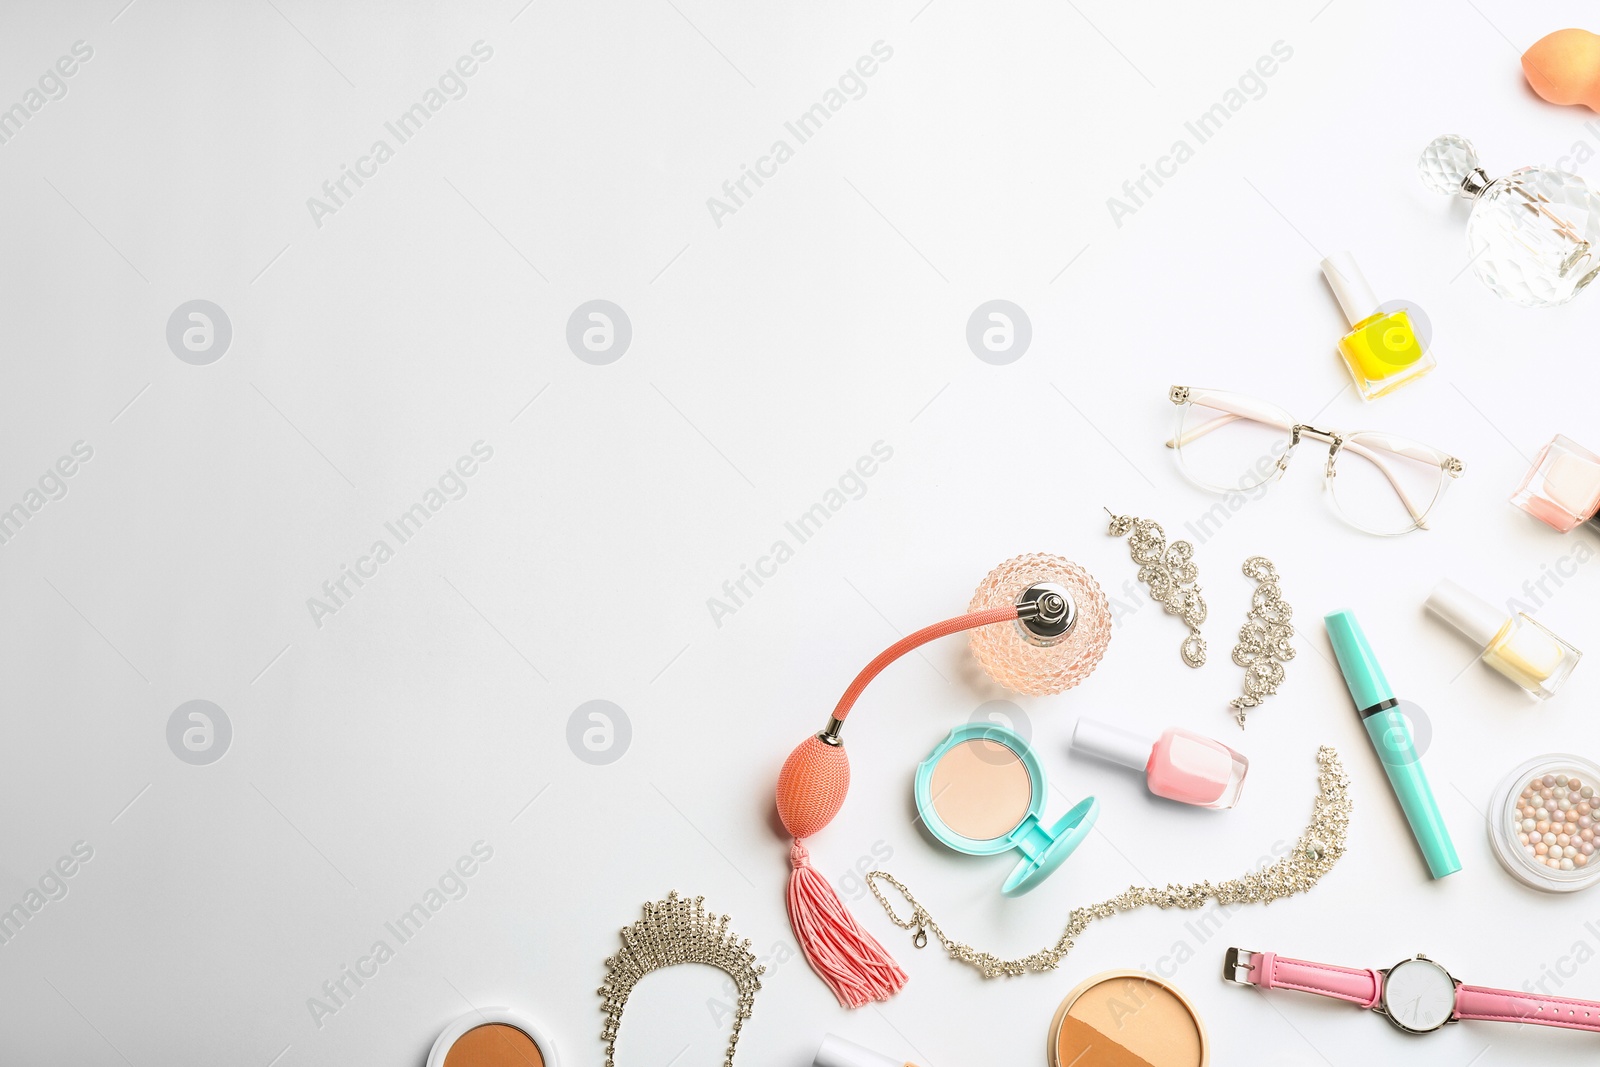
point(1562, 488)
point(1177, 765)
point(1516, 646)
point(1382, 349)
point(1532, 234)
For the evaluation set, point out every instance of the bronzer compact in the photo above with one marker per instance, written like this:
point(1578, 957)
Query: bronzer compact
point(982, 792)
point(1122, 1018)
point(493, 1037)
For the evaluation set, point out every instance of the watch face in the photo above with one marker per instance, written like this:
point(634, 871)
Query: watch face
point(1419, 996)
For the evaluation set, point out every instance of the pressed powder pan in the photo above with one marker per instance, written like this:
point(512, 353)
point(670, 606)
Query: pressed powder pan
point(1127, 1019)
point(982, 792)
point(493, 1037)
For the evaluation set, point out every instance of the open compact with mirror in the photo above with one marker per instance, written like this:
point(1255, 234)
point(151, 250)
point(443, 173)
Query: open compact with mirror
point(982, 792)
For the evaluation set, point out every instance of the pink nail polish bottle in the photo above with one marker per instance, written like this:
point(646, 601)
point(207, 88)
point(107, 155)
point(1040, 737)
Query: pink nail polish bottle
point(1562, 490)
point(1177, 765)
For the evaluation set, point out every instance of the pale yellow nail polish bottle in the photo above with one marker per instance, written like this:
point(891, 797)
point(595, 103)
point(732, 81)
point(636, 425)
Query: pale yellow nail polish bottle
point(1515, 645)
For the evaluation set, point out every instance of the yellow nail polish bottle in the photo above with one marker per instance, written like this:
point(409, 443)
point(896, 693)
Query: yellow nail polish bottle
point(1382, 350)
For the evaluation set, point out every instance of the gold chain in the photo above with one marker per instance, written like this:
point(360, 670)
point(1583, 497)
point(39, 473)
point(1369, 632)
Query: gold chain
point(1313, 856)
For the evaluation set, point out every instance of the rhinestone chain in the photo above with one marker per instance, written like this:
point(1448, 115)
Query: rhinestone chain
point(1312, 857)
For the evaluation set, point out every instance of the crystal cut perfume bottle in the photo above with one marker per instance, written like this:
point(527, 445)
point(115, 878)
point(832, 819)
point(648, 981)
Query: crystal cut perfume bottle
point(1534, 235)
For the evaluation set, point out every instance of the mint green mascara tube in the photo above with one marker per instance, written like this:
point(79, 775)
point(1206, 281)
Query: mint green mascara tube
point(1390, 734)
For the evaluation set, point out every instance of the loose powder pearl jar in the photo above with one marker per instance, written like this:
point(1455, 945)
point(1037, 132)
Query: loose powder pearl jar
point(1544, 823)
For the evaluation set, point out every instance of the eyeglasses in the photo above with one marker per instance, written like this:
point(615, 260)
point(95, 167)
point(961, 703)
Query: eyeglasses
point(1229, 443)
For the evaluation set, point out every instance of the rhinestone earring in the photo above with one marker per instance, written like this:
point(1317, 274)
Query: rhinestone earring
point(1170, 572)
point(1264, 639)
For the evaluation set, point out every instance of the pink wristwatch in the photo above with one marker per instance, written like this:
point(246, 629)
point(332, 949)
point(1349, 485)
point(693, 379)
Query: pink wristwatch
point(1417, 995)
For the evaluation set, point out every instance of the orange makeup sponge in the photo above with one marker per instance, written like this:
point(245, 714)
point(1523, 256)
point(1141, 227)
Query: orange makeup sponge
point(1564, 68)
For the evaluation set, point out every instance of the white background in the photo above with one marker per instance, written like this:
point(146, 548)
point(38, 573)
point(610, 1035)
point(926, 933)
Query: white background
point(768, 354)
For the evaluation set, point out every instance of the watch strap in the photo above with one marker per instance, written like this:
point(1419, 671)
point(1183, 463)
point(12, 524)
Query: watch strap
point(1268, 970)
point(1504, 1005)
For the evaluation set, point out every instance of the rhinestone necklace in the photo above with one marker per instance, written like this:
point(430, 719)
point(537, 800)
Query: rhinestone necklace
point(673, 931)
point(1312, 857)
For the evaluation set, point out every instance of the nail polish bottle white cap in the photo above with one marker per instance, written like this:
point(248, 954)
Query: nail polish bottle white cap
point(1112, 744)
point(1477, 620)
point(837, 1052)
point(1349, 285)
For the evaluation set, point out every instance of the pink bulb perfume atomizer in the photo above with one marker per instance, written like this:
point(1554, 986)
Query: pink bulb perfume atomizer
point(1177, 765)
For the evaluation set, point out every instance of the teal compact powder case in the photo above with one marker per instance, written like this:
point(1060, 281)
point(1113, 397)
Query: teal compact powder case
point(982, 791)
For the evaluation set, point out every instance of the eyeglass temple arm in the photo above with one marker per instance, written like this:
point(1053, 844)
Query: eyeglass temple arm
point(1217, 424)
point(1361, 450)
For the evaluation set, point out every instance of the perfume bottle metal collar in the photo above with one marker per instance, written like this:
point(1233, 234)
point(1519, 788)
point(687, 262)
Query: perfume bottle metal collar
point(1045, 613)
point(1473, 183)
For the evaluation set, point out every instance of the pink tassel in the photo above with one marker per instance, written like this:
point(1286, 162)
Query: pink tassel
point(856, 967)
